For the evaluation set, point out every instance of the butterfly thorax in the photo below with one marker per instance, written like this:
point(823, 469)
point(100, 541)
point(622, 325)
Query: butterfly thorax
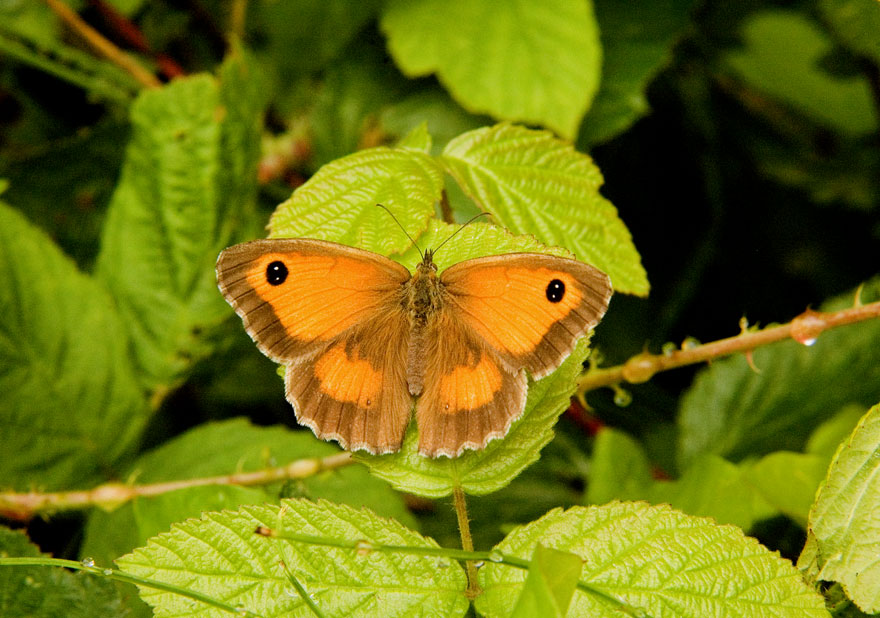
point(423, 297)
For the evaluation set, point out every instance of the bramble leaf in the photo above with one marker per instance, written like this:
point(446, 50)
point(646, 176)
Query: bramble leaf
point(189, 177)
point(534, 61)
point(71, 404)
point(221, 556)
point(654, 560)
point(533, 183)
point(339, 202)
point(843, 534)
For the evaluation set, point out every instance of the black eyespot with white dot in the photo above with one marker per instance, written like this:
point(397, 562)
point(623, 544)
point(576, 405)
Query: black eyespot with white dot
point(555, 291)
point(276, 273)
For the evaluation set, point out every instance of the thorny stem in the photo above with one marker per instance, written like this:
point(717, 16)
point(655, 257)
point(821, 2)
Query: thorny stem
point(467, 541)
point(24, 506)
point(804, 329)
point(101, 45)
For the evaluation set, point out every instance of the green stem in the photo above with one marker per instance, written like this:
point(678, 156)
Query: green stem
point(467, 541)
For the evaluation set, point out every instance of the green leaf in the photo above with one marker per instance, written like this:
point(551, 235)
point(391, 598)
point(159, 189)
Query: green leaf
point(714, 487)
point(417, 139)
point(826, 438)
point(781, 55)
point(71, 404)
point(339, 202)
point(535, 61)
point(220, 555)
point(843, 534)
point(637, 41)
point(533, 183)
point(857, 23)
point(553, 576)
point(733, 411)
point(619, 468)
point(711, 487)
point(221, 448)
point(654, 560)
point(788, 481)
point(42, 592)
point(187, 181)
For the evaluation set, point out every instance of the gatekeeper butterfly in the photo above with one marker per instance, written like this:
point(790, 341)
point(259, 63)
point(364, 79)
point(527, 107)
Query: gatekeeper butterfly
point(361, 336)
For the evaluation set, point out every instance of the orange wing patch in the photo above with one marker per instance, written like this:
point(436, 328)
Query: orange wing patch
point(346, 379)
point(322, 296)
point(469, 387)
point(517, 323)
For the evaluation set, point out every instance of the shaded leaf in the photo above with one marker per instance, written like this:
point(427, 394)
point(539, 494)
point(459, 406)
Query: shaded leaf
point(71, 404)
point(711, 487)
point(857, 22)
point(788, 481)
point(533, 61)
point(637, 41)
point(49, 592)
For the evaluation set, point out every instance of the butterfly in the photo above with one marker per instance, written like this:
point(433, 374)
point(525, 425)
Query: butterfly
point(361, 336)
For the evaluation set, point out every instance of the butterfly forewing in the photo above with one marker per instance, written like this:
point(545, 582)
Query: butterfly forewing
point(529, 308)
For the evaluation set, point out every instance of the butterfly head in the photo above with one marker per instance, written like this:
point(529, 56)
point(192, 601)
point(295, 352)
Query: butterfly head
point(427, 265)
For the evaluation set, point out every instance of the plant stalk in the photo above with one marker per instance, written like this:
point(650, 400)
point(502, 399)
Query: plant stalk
point(467, 541)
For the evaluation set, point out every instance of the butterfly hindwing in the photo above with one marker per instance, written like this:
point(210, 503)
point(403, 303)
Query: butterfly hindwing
point(354, 390)
point(470, 395)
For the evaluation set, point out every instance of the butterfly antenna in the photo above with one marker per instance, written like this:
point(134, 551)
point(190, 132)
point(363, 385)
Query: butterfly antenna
point(463, 225)
point(411, 239)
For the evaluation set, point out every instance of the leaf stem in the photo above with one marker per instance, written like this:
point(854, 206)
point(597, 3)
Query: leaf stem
point(804, 329)
point(103, 46)
point(120, 576)
point(467, 541)
point(24, 506)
